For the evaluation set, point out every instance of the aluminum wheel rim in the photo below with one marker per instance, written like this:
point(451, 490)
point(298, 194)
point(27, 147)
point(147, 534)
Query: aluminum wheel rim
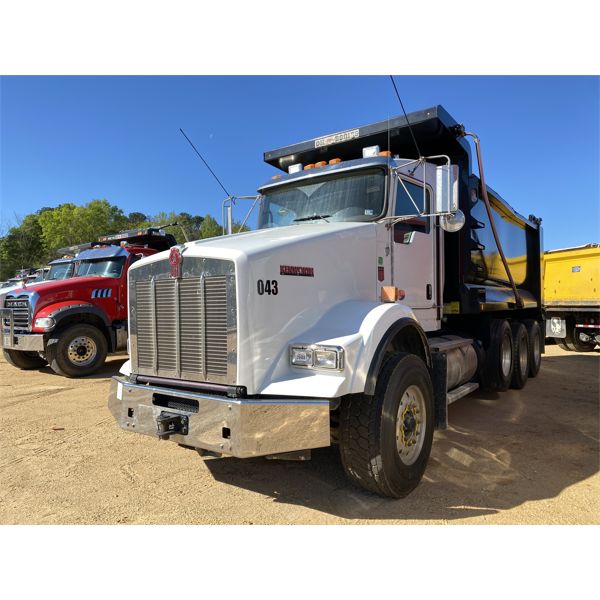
point(82, 351)
point(506, 355)
point(410, 425)
point(523, 362)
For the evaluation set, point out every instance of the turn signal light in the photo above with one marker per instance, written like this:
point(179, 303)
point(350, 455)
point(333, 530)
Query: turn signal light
point(389, 293)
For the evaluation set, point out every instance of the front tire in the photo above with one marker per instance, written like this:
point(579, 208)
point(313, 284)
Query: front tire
point(79, 350)
point(24, 360)
point(385, 440)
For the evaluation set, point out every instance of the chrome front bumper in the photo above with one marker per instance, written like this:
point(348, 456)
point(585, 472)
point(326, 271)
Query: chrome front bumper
point(9, 340)
point(233, 426)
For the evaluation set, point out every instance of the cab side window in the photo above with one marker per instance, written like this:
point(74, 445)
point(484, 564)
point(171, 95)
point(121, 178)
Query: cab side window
point(405, 206)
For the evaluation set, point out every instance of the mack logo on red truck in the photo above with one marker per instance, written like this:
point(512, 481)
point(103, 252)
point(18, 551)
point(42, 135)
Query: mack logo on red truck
point(426, 287)
point(71, 324)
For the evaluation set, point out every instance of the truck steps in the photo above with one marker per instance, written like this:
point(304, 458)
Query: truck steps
point(461, 391)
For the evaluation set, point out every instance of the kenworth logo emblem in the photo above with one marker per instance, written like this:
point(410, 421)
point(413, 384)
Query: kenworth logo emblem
point(175, 259)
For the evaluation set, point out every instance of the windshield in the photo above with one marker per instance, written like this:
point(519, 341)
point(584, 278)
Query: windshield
point(350, 196)
point(60, 271)
point(103, 267)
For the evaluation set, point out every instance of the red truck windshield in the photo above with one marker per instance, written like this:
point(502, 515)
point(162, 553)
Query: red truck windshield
point(103, 267)
point(60, 271)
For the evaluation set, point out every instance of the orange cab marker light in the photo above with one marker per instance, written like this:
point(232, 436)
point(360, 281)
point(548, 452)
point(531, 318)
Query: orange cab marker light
point(335, 161)
point(385, 153)
point(391, 293)
point(321, 163)
point(307, 167)
point(276, 177)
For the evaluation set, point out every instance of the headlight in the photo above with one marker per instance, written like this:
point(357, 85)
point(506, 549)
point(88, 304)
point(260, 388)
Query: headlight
point(317, 357)
point(45, 323)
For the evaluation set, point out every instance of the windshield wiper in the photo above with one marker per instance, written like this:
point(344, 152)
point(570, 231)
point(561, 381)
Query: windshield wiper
point(313, 218)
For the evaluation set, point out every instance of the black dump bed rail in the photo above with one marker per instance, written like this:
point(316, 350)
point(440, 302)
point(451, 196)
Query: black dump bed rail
point(152, 237)
point(435, 130)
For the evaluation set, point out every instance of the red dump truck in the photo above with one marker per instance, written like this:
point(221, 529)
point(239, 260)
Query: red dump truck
point(72, 324)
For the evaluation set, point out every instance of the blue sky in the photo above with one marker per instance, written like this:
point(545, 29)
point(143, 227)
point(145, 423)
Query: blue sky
point(72, 139)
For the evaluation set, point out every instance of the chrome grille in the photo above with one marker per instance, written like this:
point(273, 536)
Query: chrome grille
point(216, 325)
point(184, 328)
point(21, 313)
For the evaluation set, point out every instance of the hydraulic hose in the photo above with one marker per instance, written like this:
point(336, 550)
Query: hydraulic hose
point(488, 209)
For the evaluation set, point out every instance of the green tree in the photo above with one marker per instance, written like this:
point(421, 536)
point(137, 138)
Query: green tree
point(22, 246)
point(210, 228)
point(68, 224)
point(135, 218)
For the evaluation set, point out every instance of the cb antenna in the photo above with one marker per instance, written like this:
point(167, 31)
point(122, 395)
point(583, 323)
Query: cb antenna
point(406, 117)
point(202, 159)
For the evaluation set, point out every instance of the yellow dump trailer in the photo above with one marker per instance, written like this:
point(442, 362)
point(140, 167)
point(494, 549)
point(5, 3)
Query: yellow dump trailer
point(572, 297)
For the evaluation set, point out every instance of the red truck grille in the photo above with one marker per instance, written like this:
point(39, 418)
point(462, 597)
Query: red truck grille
point(21, 313)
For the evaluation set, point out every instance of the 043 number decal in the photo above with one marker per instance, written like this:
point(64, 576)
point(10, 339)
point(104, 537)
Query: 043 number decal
point(267, 287)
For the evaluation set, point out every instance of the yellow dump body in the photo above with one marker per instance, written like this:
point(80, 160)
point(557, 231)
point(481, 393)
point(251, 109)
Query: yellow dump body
point(572, 277)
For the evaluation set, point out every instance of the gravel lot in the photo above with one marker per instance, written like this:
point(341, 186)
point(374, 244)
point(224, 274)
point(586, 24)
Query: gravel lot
point(514, 458)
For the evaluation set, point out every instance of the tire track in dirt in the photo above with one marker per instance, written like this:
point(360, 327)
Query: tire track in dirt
point(54, 445)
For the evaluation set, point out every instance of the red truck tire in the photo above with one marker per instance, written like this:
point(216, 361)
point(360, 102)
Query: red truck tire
point(79, 350)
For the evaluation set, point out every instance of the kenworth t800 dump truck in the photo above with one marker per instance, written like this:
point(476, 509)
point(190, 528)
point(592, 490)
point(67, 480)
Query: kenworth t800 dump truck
point(382, 284)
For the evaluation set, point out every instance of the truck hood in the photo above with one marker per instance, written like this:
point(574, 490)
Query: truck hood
point(251, 243)
point(78, 289)
point(286, 279)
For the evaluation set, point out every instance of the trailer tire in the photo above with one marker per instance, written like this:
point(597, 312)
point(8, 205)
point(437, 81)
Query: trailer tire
point(535, 347)
point(79, 350)
point(562, 344)
point(24, 360)
point(385, 439)
point(578, 345)
point(520, 355)
point(499, 356)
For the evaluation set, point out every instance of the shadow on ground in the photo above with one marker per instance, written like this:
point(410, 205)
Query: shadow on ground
point(501, 450)
point(109, 368)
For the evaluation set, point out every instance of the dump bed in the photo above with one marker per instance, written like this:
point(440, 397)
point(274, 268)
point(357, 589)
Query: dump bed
point(572, 277)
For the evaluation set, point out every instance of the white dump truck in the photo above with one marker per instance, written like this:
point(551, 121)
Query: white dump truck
point(384, 281)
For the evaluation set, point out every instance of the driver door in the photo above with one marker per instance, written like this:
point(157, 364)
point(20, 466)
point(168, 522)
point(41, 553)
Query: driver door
point(414, 251)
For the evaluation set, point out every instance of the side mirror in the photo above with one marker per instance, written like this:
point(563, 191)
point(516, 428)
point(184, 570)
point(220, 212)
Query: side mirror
point(446, 189)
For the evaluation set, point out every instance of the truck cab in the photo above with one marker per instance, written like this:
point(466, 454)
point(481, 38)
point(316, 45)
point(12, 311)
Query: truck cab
point(72, 323)
point(369, 298)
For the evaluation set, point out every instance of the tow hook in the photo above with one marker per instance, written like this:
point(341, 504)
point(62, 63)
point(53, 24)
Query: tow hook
point(169, 423)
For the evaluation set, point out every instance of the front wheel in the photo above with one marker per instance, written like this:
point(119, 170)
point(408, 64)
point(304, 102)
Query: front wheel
point(385, 440)
point(78, 350)
point(24, 360)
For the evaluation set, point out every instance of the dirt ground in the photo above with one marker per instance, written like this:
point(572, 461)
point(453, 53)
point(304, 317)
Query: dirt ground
point(515, 458)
